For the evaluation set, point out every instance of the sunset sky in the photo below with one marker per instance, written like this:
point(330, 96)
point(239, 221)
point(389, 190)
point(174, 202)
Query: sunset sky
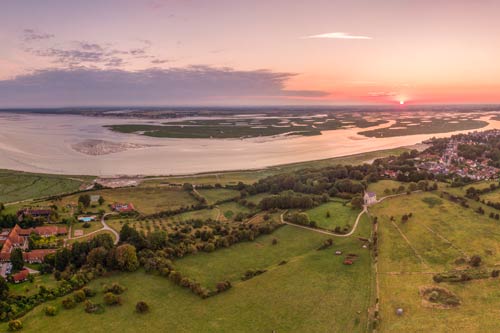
point(155, 52)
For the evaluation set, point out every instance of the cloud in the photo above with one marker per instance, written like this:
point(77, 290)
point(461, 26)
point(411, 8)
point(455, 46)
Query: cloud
point(159, 61)
point(382, 94)
point(337, 35)
point(83, 53)
point(31, 35)
point(187, 85)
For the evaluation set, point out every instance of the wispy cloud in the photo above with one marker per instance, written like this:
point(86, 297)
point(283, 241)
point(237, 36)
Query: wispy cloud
point(337, 35)
point(382, 94)
point(31, 35)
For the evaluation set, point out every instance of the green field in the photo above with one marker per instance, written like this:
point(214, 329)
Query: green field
point(216, 195)
point(303, 295)
point(380, 187)
point(340, 215)
point(439, 232)
point(146, 200)
point(17, 186)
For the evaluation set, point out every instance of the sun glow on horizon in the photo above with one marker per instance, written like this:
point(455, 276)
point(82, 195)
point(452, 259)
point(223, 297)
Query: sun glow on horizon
point(401, 102)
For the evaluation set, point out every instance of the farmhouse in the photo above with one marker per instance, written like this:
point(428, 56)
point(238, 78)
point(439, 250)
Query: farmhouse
point(122, 208)
point(34, 213)
point(21, 276)
point(17, 237)
point(370, 198)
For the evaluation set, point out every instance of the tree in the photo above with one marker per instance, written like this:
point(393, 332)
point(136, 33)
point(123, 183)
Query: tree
point(84, 199)
point(68, 303)
point(4, 289)
point(357, 202)
point(15, 325)
point(475, 261)
point(101, 200)
point(16, 259)
point(2, 206)
point(112, 299)
point(79, 296)
point(126, 258)
point(141, 307)
point(50, 310)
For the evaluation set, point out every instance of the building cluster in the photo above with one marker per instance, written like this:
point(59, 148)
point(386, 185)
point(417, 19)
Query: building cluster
point(122, 207)
point(451, 163)
point(17, 237)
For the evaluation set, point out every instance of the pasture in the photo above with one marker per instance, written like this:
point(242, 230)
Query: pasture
point(333, 214)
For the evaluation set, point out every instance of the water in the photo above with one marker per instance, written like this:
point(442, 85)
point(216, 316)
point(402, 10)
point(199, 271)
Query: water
point(43, 143)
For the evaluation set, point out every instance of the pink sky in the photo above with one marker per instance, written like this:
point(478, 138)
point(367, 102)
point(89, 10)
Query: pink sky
point(340, 52)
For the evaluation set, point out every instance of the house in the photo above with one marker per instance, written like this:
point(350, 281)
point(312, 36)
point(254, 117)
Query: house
point(34, 213)
point(17, 237)
point(37, 256)
point(370, 198)
point(122, 208)
point(21, 276)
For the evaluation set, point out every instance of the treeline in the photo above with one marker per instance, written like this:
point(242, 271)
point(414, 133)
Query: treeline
point(290, 200)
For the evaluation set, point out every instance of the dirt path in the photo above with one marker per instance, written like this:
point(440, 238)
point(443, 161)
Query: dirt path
point(326, 232)
point(105, 227)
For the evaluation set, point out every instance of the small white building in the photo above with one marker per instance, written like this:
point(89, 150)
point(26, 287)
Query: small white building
point(370, 198)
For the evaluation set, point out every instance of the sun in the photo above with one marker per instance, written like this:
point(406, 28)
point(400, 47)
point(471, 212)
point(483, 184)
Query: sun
point(401, 102)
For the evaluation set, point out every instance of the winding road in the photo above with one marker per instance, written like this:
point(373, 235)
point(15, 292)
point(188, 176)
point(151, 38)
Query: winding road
point(105, 227)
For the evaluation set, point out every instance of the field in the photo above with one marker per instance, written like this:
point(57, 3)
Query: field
point(380, 187)
point(17, 186)
point(302, 295)
point(216, 195)
point(413, 126)
point(438, 233)
point(333, 214)
point(146, 200)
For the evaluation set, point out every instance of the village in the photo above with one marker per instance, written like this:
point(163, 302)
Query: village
point(453, 162)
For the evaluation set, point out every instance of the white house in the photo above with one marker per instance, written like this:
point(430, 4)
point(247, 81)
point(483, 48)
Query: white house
point(370, 198)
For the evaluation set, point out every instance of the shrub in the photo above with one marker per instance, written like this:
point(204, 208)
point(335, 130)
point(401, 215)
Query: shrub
point(15, 325)
point(68, 303)
point(141, 307)
point(112, 299)
point(79, 296)
point(275, 241)
point(88, 292)
point(475, 261)
point(86, 225)
point(326, 244)
point(50, 310)
point(91, 307)
point(223, 286)
point(115, 288)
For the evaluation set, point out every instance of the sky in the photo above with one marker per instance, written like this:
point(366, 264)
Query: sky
point(272, 52)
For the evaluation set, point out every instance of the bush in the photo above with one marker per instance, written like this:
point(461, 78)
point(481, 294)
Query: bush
point(15, 325)
point(223, 286)
point(141, 307)
point(86, 225)
point(68, 303)
point(79, 296)
point(115, 288)
point(88, 292)
point(112, 299)
point(91, 307)
point(275, 241)
point(475, 261)
point(50, 310)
